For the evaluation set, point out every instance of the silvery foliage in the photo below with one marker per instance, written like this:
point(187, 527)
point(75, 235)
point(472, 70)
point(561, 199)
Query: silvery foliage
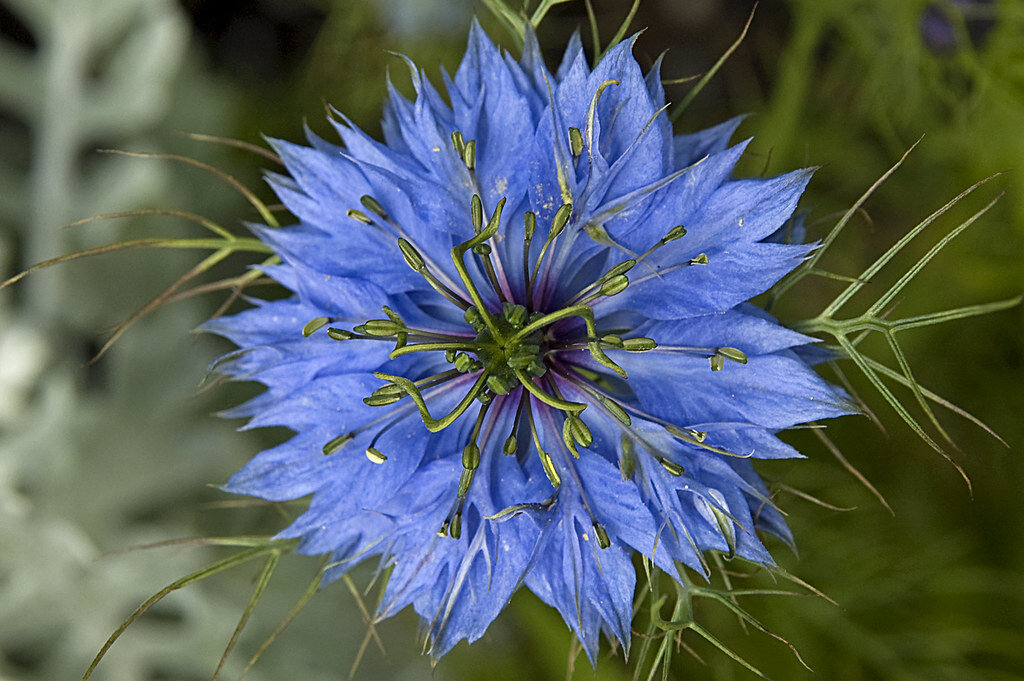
point(102, 73)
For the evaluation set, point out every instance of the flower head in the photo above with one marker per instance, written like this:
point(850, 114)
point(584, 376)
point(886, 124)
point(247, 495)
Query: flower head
point(528, 309)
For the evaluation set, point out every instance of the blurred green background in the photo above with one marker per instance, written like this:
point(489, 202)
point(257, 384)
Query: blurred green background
point(96, 459)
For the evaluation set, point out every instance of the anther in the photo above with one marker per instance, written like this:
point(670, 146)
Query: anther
point(469, 154)
point(375, 455)
point(473, 317)
point(560, 220)
point(515, 315)
point(549, 468)
point(380, 327)
point(337, 443)
point(640, 344)
point(575, 432)
point(732, 354)
point(314, 325)
point(384, 395)
point(358, 216)
point(602, 536)
point(509, 448)
point(412, 256)
point(498, 385)
point(476, 210)
point(529, 225)
point(615, 285)
point(677, 232)
point(701, 259)
point(575, 141)
point(371, 204)
point(717, 362)
point(716, 514)
point(340, 334)
point(455, 528)
point(470, 459)
point(613, 341)
point(458, 143)
point(671, 466)
point(627, 458)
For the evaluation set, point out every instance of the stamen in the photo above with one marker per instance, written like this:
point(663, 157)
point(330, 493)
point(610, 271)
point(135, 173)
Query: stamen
point(611, 274)
point(610, 405)
point(602, 535)
point(575, 142)
point(418, 264)
point(469, 155)
point(371, 204)
point(432, 424)
point(340, 334)
point(431, 347)
point(483, 251)
point(677, 232)
point(458, 143)
point(627, 457)
point(558, 223)
point(529, 227)
point(314, 325)
point(545, 459)
point(359, 216)
point(459, 251)
point(574, 430)
point(672, 467)
point(510, 446)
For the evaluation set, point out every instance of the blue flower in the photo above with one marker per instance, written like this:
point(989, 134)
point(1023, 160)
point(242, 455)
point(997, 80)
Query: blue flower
point(528, 308)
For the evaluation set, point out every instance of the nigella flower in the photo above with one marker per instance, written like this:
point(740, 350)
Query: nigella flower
point(518, 348)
